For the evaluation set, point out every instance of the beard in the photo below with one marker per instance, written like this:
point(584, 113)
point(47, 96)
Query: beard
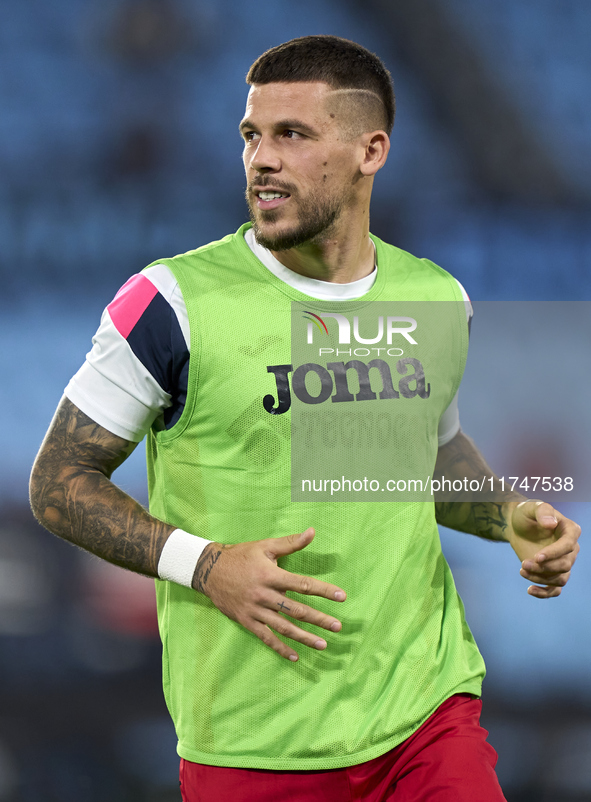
point(316, 215)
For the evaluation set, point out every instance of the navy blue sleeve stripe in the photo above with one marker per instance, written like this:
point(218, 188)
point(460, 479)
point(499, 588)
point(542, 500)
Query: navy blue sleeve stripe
point(157, 341)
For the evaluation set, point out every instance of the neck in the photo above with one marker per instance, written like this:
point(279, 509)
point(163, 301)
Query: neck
point(339, 258)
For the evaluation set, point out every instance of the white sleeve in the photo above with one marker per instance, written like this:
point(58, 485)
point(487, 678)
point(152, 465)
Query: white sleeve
point(449, 423)
point(113, 386)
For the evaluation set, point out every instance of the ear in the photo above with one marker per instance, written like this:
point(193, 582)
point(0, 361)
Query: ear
point(376, 149)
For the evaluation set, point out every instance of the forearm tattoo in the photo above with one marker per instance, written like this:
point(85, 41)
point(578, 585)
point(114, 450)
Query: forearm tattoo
point(486, 519)
point(209, 557)
point(73, 497)
point(489, 519)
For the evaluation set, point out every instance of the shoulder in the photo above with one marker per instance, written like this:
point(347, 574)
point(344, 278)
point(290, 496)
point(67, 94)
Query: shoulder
point(146, 302)
point(393, 253)
point(216, 265)
point(418, 274)
point(217, 249)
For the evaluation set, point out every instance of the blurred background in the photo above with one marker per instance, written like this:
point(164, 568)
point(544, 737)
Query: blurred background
point(118, 145)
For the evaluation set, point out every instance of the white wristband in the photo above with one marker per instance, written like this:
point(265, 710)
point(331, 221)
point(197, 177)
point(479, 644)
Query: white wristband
point(179, 557)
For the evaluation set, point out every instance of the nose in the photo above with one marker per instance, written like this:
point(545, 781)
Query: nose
point(264, 157)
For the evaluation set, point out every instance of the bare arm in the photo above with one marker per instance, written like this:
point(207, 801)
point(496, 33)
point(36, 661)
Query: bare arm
point(545, 541)
point(459, 459)
point(72, 495)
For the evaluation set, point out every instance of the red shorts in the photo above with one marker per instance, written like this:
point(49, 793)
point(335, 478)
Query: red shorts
point(446, 760)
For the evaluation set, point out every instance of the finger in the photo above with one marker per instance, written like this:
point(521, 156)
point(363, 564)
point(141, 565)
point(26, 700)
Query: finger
point(281, 546)
point(271, 640)
point(301, 612)
point(543, 592)
point(556, 580)
point(288, 629)
point(547, 567)
point(545, 514)
point(311, 587)
point(567, 543)
point(539, 512)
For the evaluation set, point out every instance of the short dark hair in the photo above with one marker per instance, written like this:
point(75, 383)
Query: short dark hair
point(340, 63)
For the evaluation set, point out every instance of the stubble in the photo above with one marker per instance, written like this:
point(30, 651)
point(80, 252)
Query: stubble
point(317, 215)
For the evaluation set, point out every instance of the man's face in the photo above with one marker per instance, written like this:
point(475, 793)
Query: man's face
point(300, 172)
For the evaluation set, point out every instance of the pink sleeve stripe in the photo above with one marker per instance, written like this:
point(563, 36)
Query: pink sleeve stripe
point(130, 303)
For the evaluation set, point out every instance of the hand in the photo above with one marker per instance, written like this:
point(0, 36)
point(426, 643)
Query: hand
point(246, 584)
point(546, 543)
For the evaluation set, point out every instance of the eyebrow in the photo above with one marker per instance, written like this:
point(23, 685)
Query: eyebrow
point(282, 125)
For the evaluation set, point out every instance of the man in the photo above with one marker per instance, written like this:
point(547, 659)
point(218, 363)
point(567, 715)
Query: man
point(384, 702)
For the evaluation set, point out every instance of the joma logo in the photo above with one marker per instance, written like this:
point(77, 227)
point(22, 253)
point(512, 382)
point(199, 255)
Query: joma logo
point(340, 384)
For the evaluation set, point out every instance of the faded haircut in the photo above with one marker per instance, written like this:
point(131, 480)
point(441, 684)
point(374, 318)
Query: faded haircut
point(343, 65)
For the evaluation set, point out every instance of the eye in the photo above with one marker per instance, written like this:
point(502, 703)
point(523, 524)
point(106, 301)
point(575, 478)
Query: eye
point(290, 134)
point(249, 136)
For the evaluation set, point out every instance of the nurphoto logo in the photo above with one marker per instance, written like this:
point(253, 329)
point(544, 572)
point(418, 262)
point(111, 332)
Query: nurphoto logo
point(344, 328)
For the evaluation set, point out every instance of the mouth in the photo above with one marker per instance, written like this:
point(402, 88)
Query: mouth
point(267, 199)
